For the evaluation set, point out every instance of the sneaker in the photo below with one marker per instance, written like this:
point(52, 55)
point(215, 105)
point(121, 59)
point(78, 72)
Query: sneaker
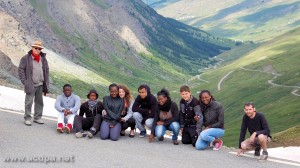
point(39, 121)
point(68, 128)
point(122, 133)
point(143, 134)
point(60, 127)
point(89, 134)
point(218, 145)
point(257, 151)
point(79, 135)
point(27, 122)
point(264, 155)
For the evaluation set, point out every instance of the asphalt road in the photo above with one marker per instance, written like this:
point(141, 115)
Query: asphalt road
point(37, 144)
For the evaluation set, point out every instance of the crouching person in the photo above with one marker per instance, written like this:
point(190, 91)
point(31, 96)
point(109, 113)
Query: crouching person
point(258, 128)
point(92, 110)
point(67, 106)
point(166, 117)
point(213, 121)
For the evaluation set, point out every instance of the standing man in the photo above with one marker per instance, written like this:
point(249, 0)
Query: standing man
point(34, 75)
point(258, 128)
point(144, 108)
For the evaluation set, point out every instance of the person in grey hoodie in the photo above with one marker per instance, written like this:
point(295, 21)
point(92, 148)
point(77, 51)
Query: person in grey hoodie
point(33, 71)
point(113, 106)
point(67, 106)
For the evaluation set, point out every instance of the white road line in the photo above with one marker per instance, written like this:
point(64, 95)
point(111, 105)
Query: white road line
point(15, 112)
point(272, 160)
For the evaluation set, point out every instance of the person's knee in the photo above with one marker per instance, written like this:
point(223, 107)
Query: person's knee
point(136, 116)
point(114, 138)
point(244, 146)
point(200, 146)
point(149, 123)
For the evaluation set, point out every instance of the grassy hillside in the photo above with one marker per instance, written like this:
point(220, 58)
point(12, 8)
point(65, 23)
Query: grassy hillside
point(175, 50)
point(278, 61)
point(236, 19)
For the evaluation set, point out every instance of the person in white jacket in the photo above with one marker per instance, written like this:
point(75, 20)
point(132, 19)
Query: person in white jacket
point(127, 120)
point(67, 106)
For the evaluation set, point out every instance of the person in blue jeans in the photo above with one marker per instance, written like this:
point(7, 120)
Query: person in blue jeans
point(113, 107)
point(166, 117)
point(213, 121)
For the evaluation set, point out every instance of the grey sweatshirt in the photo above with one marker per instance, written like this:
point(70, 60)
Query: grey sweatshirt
point(72, 103)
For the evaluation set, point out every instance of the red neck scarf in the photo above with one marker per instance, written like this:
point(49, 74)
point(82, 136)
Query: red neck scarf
point(36, 57)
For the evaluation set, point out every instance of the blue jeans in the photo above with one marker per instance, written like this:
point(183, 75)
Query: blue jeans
point(207, 136)
point(161, 129)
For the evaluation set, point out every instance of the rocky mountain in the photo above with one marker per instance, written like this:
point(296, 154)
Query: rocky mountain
point(93, 43)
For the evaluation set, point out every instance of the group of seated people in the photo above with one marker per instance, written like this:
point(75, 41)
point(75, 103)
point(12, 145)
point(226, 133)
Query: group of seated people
point(201, 121)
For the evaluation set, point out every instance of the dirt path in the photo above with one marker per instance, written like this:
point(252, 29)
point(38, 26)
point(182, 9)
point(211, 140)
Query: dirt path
point(294, 92)
point(224, 77)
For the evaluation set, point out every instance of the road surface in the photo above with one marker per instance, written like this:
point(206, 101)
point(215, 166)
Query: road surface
point(32, 145)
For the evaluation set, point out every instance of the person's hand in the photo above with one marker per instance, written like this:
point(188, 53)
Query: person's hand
point(239, 152)
point(196, 118)
point(122, 120)
point(104, 113)
point(111, 126)
point(149, 111)
point(151, 137)
point(69, 112)
point(160, 123)
point(65, 111)
point(252, 137)
point(181, 129)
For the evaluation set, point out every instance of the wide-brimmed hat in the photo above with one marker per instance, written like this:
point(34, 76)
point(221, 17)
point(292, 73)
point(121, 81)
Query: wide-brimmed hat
point(38, 44)
point(92, 91)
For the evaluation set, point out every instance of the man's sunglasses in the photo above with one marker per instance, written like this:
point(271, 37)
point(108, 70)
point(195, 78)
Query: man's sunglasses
point(38, 48)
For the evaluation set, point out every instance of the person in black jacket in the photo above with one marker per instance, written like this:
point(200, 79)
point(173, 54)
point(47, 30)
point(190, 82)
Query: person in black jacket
point(213, 121)
point(258, 128)
point(166, 117)
point(92, 110)
point(190, 116)
point(113, 107)
point(144, 108)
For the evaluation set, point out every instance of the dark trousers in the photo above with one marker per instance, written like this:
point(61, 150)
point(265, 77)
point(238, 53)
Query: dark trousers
point(189, 135)
point(129, 123)
point(81, 123)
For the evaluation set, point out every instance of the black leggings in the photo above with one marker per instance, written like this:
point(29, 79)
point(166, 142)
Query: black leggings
point(129, 123)
point(189, 135)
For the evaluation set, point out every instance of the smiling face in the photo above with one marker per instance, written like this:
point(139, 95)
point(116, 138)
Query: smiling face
point(114, 91)
point(205, 98)
point(67, 91)
point(185, 95)
point(250, 111)
point(162, 99)
point(36, 50)
point(143, 93)
point(122, 93)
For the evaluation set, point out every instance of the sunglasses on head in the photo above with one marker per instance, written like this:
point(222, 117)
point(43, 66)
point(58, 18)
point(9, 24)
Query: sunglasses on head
point(38, 48)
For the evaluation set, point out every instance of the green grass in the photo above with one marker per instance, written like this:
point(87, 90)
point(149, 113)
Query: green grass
point(277, 103)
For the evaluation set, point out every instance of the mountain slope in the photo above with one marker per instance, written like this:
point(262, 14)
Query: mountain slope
point(269, 76)
point(118, 41)
point(236, 19)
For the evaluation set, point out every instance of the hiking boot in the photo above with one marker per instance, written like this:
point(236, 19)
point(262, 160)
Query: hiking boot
point(264, 155)
point(122, 133)
point(257, 151)
point(60, 128)
point(68, 128)
point(27, 122)
point(175, 142)
point(39, 121)
point(218, 145)
point(143, 134)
